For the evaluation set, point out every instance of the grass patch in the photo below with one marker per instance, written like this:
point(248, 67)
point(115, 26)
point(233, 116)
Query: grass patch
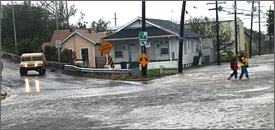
point(154, 73)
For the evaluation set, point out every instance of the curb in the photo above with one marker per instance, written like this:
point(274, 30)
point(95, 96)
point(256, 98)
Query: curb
point(6, 92)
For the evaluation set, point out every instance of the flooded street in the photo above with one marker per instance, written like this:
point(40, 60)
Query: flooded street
point(199, 98)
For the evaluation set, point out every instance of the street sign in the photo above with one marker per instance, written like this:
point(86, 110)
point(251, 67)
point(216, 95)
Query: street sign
point(142, 43)
point(143, 36)
point(143, 59)
point(111, 63)
point(105, 47)
point(58, 43)
point(145, 43)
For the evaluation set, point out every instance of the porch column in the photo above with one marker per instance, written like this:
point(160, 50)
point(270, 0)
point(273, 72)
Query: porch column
point(170, 48)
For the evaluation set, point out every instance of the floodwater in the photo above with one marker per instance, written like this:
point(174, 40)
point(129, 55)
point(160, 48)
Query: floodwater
point(199, 98)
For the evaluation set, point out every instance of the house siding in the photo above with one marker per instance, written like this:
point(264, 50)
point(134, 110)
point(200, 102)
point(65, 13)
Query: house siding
point(80, 42)
point(131, 50)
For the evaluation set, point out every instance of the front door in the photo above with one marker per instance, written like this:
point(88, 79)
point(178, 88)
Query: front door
point(134, 51)
point(85, 56)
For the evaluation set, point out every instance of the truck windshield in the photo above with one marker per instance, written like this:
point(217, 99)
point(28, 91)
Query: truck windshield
point(37, 58)
point(26, 58)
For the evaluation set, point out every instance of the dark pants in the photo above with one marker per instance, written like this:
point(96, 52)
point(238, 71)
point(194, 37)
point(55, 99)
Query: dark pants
point(234, 73)
point(244, 71)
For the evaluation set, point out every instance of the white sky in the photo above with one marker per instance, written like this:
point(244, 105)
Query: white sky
point(128, 10)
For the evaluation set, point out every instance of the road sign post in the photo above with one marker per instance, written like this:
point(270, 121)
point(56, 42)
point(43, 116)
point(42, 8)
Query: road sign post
point(143, 59)
point(105, 47)
point(143, 36)
point(58, 43)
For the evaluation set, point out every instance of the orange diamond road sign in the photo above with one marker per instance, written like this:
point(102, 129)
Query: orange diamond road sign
point(143, 59)
point(105, 47)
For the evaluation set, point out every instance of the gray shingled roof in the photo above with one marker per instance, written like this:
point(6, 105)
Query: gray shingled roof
point(153, 31)
point(173, 27)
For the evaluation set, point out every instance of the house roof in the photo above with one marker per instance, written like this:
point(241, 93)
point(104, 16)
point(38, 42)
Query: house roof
point(160, 28)
point(133, 33)
point(173, 27)
point(92, 37)
point(62, 35)
point(67, 33)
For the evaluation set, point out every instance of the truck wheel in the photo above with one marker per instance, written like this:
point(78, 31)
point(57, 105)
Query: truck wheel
point(22, 72)
point(41, 72)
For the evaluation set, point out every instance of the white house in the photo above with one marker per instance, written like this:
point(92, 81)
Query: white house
point(163, 37)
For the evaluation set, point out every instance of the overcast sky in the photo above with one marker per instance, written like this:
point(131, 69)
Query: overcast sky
point(167, 10)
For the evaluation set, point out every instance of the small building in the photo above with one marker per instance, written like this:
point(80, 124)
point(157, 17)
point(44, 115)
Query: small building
point(84, 42)
point(164, 44)
point(241, 42)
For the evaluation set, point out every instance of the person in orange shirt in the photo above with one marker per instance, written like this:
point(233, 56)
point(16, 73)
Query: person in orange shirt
point(244, 65)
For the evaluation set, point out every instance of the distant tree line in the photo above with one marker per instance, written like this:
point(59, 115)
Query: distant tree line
point(35, 23)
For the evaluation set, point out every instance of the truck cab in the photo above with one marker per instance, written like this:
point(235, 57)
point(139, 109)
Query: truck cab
point(32, 61)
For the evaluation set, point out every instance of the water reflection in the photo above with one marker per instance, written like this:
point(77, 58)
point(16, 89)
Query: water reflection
point(37, 86)
point(27, 85)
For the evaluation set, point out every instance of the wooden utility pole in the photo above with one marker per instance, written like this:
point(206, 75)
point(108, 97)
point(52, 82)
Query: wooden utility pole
point(270, 38)
point(236, 32)
point(251, 27)
point(181, 37)
point(115, 19)
point(143, 48)
point(259, 30)
point(57, 31)
point(1, 65)
point(14, 28)
point(217, 30)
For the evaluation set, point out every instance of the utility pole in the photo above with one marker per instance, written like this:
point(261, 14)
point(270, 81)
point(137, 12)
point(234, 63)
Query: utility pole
point(251, 27)
point(217, 28)
point(57, 32)
point(259, 30)
point(115, 19)
point(143, 48)
point(1, 65)
point(270, 38)
point(181, 37)
point(15, 40)
point(236, 32)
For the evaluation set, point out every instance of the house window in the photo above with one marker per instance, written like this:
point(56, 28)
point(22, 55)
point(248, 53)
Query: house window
point(164, 48)
point(85, 54)
point(185, 47)
point(118, 51)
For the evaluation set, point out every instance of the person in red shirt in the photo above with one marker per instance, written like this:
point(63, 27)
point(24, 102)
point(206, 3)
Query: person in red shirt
point(234, 67)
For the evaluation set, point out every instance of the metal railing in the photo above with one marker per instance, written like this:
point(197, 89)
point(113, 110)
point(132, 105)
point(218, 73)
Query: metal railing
point(96, 70)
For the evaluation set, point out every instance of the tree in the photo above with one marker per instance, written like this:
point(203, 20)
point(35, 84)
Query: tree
point(66, 56)
point(270, 22)
point(101, 25)
point(81, 24)
point(206, 28)
point(64, 12)
point(50, 53)
point(32, 22)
